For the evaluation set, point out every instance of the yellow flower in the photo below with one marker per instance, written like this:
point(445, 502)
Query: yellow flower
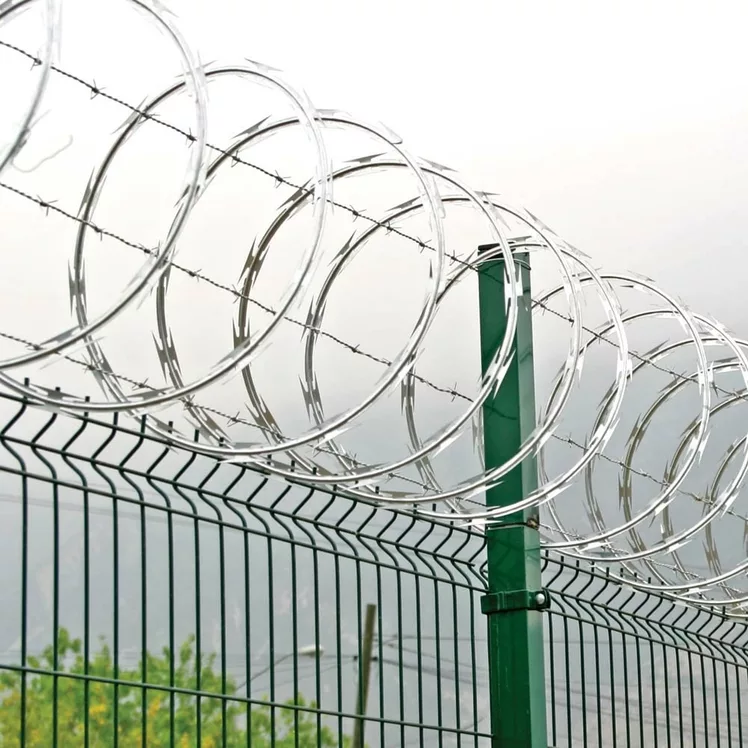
point(153, 707)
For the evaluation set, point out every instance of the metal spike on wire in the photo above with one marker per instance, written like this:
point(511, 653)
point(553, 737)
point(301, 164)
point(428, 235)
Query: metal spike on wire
point(437, 187)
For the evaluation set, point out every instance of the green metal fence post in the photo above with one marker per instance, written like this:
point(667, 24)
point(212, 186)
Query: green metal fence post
point(515, 598)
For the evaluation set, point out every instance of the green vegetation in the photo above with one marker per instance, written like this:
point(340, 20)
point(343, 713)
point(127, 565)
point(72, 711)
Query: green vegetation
point(130, 707)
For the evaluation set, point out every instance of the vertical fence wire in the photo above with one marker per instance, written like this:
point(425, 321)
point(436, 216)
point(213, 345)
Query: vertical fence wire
point(153, 596)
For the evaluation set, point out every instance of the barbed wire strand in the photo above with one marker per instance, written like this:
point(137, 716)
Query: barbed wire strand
point(231, 419)
point(98, 91)
point(356, 349)
point(692, 576)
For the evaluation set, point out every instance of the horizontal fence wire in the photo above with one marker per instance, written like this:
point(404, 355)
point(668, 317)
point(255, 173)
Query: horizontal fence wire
point(128, 561)
point(626, 668)
point(155, 596)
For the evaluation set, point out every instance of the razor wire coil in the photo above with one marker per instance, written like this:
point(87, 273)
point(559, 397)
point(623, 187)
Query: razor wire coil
point(437, 187)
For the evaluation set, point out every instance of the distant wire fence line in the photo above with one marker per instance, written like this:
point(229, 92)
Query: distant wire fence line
point(119, 536)
point(438, 187)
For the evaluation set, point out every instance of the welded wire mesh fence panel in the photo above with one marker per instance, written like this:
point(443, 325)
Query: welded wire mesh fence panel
point(126, 561)
point(627, 668)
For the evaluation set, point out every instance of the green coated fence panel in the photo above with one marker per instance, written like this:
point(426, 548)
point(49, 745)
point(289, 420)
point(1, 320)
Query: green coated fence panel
point(153, 596)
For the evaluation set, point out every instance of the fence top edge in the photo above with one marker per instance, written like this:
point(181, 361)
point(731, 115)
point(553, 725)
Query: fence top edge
point(604, 580)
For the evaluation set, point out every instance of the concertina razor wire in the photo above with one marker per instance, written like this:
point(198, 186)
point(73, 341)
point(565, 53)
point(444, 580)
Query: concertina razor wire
point(437, 187)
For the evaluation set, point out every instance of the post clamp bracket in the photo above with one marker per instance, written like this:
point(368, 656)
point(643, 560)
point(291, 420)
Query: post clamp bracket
point(504, 602)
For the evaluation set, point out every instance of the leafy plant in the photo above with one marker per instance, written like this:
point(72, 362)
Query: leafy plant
point(154, 716)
